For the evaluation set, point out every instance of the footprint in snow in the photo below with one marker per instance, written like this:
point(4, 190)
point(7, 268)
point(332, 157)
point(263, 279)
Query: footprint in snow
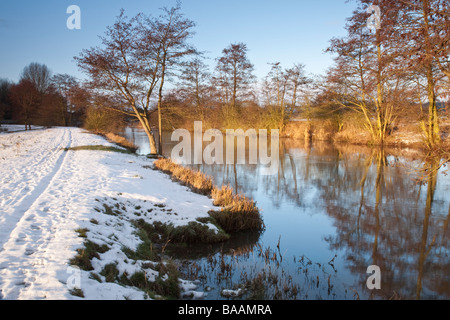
point(29, 252)
point(21, 237)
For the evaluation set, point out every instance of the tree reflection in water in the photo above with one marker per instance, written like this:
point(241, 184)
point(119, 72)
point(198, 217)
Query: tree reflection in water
point(369, 210)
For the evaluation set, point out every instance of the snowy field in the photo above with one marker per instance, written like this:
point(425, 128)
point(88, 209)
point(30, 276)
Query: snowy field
point(6, 128)
point(46, 193)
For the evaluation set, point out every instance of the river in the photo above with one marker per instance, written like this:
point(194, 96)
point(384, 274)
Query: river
point(331, 211)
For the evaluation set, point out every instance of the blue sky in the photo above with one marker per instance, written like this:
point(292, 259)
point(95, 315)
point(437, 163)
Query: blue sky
point(286, 31)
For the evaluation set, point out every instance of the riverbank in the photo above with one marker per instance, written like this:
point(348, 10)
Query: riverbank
point(404, 135)
point(77, 220)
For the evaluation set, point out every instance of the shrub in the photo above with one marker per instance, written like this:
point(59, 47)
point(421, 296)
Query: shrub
point(103, 120)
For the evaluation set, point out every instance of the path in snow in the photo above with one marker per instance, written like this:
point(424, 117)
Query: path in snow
point(36, 190)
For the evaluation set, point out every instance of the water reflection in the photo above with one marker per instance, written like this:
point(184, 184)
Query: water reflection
point(362, 205)
point(393, 227)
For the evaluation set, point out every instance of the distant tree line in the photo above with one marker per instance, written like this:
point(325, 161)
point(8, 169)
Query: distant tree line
point(40, 98)
point(43, 99)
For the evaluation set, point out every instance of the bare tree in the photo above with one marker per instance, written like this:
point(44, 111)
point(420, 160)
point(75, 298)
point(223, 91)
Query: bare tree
point(38, 74)
point(64, 84)
point(5, 101)
point(426, 26)
point(26, 100)
point(281, 90)
point(195, 83)
point(170, 32)
point(134, 60)
point(234, 74)
point(368, 72)
point(79, 101)
point(125, 69)
point(297, 79)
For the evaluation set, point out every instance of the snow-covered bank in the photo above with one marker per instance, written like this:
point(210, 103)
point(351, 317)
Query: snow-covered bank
point(47, 193)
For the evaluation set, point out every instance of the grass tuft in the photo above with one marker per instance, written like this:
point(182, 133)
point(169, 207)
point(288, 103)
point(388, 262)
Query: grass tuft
point(194, 232)
point(77, 292)
point(223, 197)
point(110, 272)
point(241, 214)
point(86, 254)
point(166, 284)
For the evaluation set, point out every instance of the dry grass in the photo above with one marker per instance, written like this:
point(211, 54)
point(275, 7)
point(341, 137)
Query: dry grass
point(196, 180)
point(121, 141)
point(223, 197)
point(406, 132)
point(237, 213)
point(165, 165)
point(322, 130)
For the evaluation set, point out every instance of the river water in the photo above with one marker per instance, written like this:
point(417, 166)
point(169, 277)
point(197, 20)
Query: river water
point(331, 212)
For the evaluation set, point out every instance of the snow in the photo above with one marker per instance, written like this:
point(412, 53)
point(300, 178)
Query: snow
point(6, 128)
point(46, 193)
point(232, 293)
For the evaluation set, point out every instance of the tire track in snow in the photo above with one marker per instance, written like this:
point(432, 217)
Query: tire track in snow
point(31, 170)
point(24, 235)
point(19, 202)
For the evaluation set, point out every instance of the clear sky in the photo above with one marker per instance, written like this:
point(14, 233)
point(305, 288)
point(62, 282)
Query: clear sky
point(286, 31)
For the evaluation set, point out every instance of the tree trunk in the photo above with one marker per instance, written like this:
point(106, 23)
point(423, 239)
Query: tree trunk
point(432, 132)
point(163, 72)
point(381, 116)
point(151, 139)
point(234, 89)
point(159, 125)
point(146, 125)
